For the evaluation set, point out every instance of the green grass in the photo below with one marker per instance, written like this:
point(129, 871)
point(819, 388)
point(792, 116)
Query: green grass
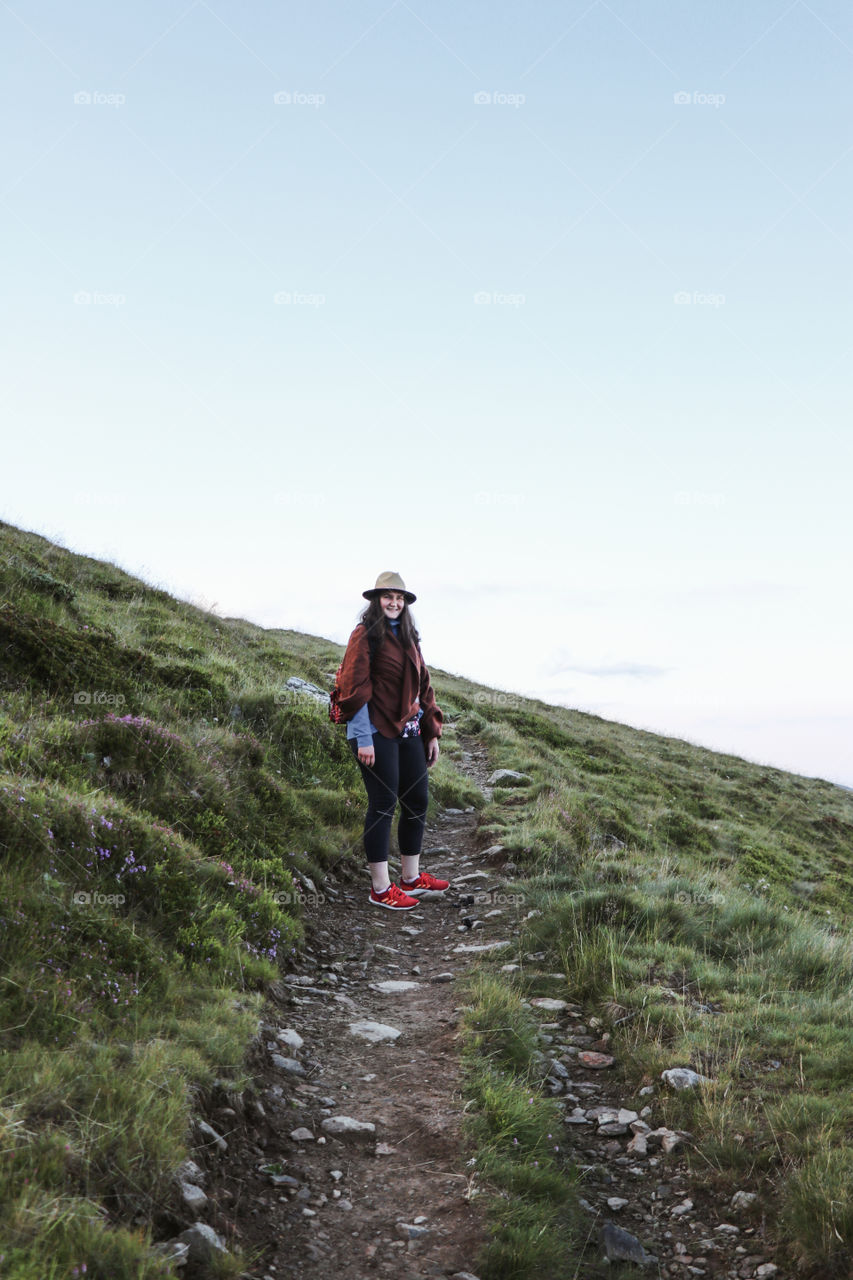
point(152, 758)
point(700, 906)
point(528, 1187)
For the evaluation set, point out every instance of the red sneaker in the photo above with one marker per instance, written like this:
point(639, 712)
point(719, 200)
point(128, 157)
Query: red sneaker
point(393, 898)
point(426, 886)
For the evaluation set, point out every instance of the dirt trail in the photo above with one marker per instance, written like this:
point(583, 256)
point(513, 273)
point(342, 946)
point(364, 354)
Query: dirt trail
point(413, 1165)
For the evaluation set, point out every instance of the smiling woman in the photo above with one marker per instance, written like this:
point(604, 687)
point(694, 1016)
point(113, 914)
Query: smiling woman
point(384, 679)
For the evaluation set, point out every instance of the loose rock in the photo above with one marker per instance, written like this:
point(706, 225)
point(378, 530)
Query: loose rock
point(346, 1126)
point(621, 1246)
point(373, 1031)
point(683, 1078)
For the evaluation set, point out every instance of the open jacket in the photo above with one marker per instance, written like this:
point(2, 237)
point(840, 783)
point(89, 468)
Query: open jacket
point(400, 685)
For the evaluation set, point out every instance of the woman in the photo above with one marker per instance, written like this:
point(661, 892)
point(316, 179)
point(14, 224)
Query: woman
point(392, 688)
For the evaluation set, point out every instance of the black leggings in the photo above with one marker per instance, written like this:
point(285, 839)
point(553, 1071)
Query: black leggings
point(400, 773)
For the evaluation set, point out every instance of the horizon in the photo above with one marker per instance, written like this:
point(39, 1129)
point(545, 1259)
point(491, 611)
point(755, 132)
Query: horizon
point(510, 691)
point(543, 309)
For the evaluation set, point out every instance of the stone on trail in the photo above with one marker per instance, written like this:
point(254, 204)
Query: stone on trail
point(347, 1127)
point(392, 985)
point(174, 1251)
point(507, 778)
point(302, 1135)
point(552, 1006)
point(621, 1246)
point(189, 1171)
point(291, 1038)
point(290, 1065)
point(683, 1078)
point(202, 1242)
point(193, 1197)
point(208, 1135)
point(373, 1031)
point(409, 1231)
point(590, 1058)
point(483, 946)
point(442, 977)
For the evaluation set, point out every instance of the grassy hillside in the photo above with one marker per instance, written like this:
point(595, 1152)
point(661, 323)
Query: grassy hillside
point(162, 793)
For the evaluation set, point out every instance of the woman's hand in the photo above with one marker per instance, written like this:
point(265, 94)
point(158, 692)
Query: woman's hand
point(431, 752)
point(367, 755)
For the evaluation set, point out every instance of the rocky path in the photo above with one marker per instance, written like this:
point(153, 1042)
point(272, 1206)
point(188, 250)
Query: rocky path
point(348, 1161)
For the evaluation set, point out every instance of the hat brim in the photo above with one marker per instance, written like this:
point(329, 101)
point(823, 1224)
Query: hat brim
point(410, 596)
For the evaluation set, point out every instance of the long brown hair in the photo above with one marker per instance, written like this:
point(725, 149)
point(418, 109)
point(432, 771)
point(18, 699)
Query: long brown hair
point(375, 623)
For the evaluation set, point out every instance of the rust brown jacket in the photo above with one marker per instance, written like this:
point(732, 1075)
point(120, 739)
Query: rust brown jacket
point(400, 684)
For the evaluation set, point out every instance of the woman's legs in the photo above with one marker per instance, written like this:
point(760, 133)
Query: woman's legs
point(400, 769)
point(414, 797)
point(380, 781)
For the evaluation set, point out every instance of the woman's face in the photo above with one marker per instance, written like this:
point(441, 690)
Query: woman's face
point(392, 603)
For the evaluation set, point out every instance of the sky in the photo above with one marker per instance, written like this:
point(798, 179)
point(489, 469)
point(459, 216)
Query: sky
point(546, 308)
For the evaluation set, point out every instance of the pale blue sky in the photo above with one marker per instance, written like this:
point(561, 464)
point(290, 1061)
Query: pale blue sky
point(573, 359)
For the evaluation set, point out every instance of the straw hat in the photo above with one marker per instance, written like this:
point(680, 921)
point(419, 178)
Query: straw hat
point(390, 581)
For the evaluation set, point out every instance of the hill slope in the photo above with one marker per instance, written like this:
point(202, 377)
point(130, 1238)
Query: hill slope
point(163, 794)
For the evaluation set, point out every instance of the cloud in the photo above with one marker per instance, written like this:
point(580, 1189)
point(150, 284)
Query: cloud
point(562, 666)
